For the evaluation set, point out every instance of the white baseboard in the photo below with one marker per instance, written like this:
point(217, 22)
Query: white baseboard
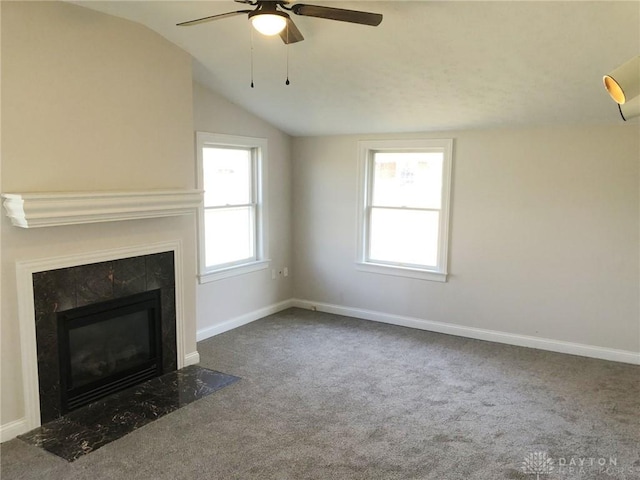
point(559, 346)
point(236, 322)
point(11, 430)
point(192, 358)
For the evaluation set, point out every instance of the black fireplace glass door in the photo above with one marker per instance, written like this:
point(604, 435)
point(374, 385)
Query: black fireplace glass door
point(109, 346)
point(101, 349)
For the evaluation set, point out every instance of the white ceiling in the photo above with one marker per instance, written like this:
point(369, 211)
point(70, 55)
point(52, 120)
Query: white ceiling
point(429, 66)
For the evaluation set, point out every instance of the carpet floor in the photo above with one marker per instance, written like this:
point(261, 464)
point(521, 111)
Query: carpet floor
point(323, 396)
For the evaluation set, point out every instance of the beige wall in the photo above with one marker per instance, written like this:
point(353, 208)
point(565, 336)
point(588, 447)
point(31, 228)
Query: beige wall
point(544, 235)
point(544, 228)
point(89, 102)
point(232, 298)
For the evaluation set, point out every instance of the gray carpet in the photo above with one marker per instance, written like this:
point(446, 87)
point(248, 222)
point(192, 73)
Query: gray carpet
point(329, 397)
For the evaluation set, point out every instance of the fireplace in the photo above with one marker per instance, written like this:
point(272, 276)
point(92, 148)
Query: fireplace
point(101, 328)
point(108, 346)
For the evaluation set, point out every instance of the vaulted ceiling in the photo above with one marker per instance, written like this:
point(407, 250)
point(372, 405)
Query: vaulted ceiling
point(430, 65)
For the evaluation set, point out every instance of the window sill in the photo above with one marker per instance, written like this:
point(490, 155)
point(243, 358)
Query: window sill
point(398, 271)
point(233, 271)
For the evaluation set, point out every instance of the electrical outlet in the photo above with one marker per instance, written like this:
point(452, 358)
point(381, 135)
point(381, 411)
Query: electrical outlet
point(285, 270)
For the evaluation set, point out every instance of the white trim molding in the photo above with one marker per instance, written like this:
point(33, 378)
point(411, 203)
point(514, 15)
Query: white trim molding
point(192, 358)
point(241, 320)
point(399, 271)
point(30, 210)
point(233, 271)
point(26, 315)
point(559, 346)
point(11, 430)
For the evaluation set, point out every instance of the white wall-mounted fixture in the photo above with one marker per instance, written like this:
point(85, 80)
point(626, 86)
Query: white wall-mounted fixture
point(630, 109)
point(623, 84)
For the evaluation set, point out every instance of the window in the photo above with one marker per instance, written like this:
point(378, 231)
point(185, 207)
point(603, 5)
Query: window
point(232, 220)
point(404, 207)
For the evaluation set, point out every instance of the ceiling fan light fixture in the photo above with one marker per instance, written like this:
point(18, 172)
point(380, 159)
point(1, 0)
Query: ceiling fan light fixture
point(269, 24)
point(268, 18)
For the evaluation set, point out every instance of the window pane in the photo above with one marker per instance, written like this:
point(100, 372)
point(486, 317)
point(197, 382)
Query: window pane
point(227, 176)
point(402, 179)
point(404, 236)
point(229, 235)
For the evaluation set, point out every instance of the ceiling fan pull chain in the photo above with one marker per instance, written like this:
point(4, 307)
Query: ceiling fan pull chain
point(287, 47)
point(251, 37)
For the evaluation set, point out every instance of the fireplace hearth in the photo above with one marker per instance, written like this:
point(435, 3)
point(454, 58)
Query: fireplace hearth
point(88, 428)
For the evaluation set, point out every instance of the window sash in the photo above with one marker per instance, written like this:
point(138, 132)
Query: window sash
point(406, 241)
point(249, 182)
point(229, 243)
point(416, 191)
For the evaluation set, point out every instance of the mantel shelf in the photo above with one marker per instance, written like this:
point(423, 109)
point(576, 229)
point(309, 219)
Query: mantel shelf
point(31, 210)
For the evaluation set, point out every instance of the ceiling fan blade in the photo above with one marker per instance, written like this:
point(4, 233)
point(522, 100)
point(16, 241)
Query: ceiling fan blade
point(212, 17)
point(352, 16)
point(291, 34)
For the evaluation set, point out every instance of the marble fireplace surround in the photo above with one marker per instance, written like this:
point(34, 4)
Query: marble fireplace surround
point(72, 287)
point(27, 272)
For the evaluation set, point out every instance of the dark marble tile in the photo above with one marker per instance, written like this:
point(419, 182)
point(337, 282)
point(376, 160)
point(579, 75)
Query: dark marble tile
point(129, 276)
point(51, 408)
point(54, 290)
point(48, 366)
point(94, 283)
point(93, 426)
point(65, 438)
point(188, 385)
point(121, 413)
point(52, 433)
point(46, 334)
point(160, 272)
point(169, 340)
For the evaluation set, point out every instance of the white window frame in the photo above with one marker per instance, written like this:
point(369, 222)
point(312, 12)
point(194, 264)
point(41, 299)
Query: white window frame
point(366, 151)
point(259, 150)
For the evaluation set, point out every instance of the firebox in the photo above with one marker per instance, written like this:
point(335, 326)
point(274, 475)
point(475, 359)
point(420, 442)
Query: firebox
point(108, 346)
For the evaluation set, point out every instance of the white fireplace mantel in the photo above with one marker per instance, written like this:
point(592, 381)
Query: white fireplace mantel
point(30, 210)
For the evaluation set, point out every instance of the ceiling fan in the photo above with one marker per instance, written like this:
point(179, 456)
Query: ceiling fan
point(271, 17)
